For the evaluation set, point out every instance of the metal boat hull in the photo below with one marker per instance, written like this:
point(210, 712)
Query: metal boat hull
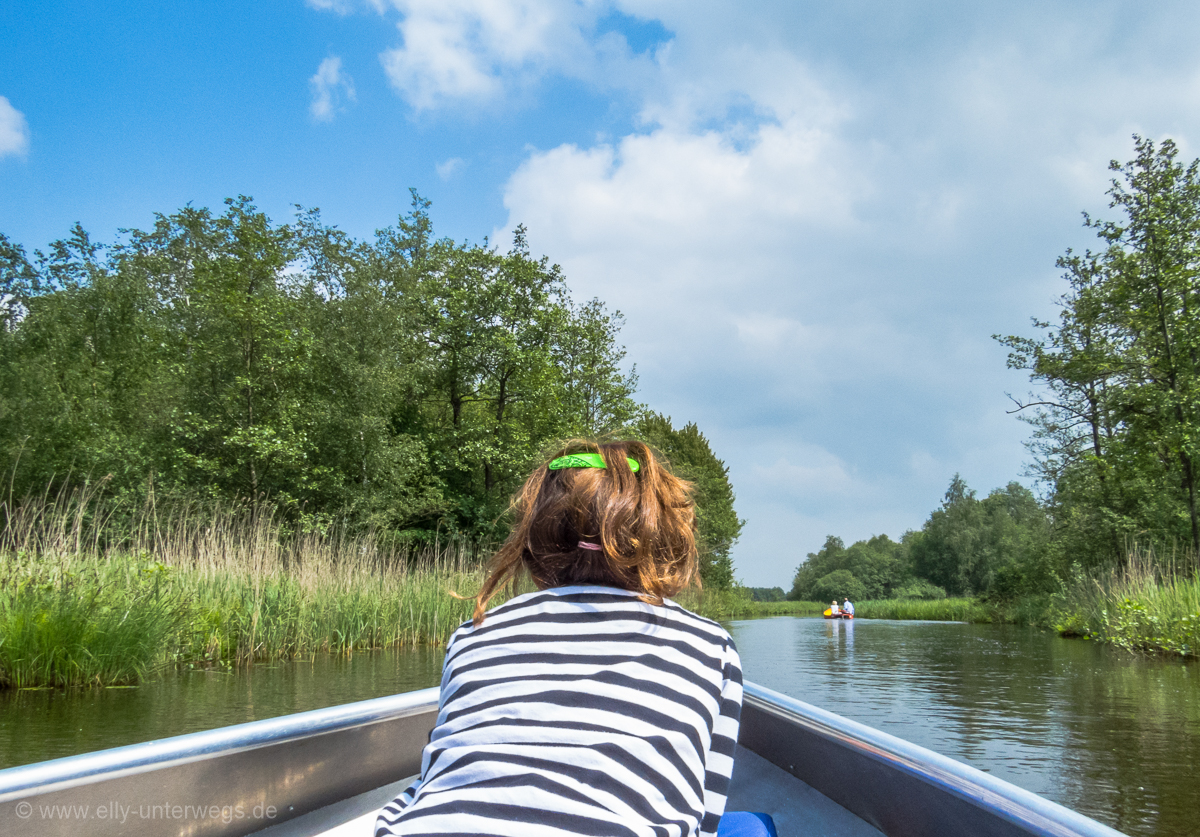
point(241, 779)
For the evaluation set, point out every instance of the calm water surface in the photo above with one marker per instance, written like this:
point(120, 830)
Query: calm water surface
point(1111, 735)
point(1108, 734)
point(45, 724)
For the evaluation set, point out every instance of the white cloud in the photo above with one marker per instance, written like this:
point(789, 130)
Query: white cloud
point(816, 475)
point(824, 255)
point(702, 188)
point(329, 87)
point(448, 168)
point(820, 215)
point(340, 7)
point(464, 49)
point(14, 130)
point(479, 51)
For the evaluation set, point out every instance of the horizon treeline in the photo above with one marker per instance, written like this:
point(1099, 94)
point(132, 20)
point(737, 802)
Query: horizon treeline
point(403, 385)
point(968, 546)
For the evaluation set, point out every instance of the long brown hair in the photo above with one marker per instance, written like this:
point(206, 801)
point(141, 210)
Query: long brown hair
point(644, 523)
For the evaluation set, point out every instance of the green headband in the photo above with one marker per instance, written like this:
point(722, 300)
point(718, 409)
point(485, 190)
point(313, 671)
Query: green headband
point(585, 460)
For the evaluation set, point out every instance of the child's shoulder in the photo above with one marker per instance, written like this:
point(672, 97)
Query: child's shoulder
point(562, 602)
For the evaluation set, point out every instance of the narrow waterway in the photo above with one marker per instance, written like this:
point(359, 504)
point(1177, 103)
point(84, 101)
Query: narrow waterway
point(1114, 736)
point(1101, 731)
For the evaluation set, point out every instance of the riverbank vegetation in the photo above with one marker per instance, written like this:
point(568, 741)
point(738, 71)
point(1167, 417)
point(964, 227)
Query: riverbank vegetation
point(1112, 550)
point(401, 386)
point(212, 588)
point(1146, 604)
point(936, 610)
point(227, 439)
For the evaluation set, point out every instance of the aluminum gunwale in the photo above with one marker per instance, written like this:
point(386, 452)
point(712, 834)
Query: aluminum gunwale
point(71, 771)
point(1021, 807)
point(1013, 803)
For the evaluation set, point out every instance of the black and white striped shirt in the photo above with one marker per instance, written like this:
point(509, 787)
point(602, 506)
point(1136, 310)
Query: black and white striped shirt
point(579, 710)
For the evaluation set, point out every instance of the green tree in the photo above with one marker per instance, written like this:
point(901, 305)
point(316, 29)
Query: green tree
point(596, 393)
point(878, 565)
point(831, 556)
point(717, 524)
point(1115, 431)
point(404, 384)
point(839, 584)
point(767, 594)
point(967, 542)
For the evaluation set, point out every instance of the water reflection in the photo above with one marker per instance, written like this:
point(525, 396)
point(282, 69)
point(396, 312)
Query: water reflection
point(1105, 733)
point(44, 724)
point(840, 633)
point(1114, 736)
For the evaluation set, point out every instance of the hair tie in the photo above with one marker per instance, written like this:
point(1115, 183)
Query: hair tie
point(588, 545)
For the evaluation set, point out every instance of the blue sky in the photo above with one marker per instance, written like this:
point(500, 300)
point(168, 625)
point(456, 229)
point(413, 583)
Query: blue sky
point(813, 215)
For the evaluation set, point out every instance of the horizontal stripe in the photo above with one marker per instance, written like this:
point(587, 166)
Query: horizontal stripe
point(607, 678)
point(583, 701)
point(652, 662)
point(580, 710)
point(660, 744)
point(630, 641)
point(509, 814)
point(723, 744)
point(537, 769)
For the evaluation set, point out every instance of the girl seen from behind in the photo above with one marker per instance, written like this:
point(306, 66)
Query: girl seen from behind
point(593, 705)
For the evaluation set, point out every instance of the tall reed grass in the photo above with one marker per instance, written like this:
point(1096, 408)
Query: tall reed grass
point(1151, 604)
point(206, 587)
point(934, 610)
point(737, 603)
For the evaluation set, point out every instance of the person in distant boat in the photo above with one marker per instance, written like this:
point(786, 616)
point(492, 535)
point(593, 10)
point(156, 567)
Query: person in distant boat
point(593, 705)
point(848, 607)
point(833, 609)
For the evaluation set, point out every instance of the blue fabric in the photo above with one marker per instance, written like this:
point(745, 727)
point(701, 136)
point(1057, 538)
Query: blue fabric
point(746, 824)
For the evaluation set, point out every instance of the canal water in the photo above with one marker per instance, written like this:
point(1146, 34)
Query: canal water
point(1109, 734)
point(1112, 735)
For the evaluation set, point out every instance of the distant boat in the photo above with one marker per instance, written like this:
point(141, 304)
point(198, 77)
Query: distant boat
point(829, 614)
point(329, 771)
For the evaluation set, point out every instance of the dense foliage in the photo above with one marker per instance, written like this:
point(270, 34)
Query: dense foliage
point(967, 547)
point(402, 385)
point(767, 594)
point(691, 458)
point(1115, 422)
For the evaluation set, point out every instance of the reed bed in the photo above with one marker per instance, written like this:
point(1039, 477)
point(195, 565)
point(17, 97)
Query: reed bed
point(736, 603)
point(207, 587)
point(1151, 604)
point(934, 610)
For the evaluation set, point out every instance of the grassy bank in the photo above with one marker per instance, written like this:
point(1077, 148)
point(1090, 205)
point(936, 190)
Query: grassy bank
point(219, 588)
point(206, 589)
point(934, 610)
point(1148, 605)
point(737, 604)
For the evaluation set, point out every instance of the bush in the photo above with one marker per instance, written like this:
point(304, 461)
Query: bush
point(839, 584)
point(919, 588)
